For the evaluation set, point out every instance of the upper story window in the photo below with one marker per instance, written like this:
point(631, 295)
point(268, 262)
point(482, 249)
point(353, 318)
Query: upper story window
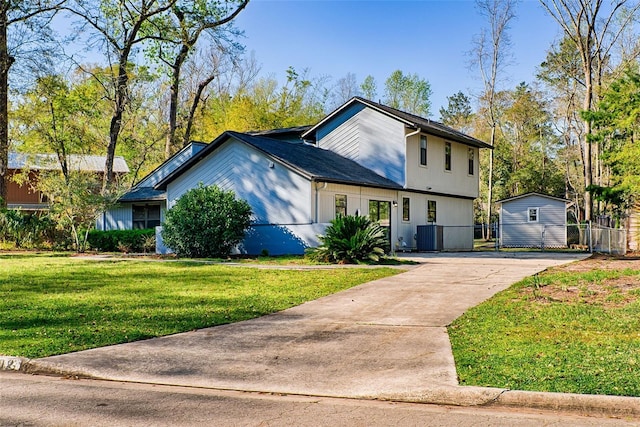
point(533, 214)
point(423, 150)
point(146, 216)
point(447, 156)
point(341, 204)
point(406, 209)
point(470, 156)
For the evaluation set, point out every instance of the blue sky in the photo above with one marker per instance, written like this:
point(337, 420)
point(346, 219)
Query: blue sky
point(428, 37)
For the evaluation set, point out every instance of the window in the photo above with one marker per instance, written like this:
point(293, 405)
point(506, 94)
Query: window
point(447, 156)
point(423, 150)
point(431, 211)
point(146, 216)
point(533, 214)
point(470, 157)
point(406, 208)
point(341, 204)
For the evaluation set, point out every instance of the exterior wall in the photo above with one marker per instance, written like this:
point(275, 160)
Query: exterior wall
point(119, 217)
point(369, 138)
point(22, 194)
point(549, 231)
point(456, 215)
point(633, 227)
point(433, 176)
point(276, 194)
point(170, 165)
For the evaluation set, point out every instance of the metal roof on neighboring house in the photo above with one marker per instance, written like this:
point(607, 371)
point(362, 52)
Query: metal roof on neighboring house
point(411, 120)
point(312, 162)
point(79, 162)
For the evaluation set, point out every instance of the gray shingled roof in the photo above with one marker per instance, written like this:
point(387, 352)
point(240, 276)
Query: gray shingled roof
point(427, 125)
point(139, 194)
point(88, 163)
point(312, 162)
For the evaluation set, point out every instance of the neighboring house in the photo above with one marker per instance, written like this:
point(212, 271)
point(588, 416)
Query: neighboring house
point(533, 220)
point(143, 206)
point(364, 158)
point(24, 196)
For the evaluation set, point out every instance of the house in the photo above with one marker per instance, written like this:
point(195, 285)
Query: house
point(364, 158)
point(143, 206)
point(24, 196)
point(533, 220)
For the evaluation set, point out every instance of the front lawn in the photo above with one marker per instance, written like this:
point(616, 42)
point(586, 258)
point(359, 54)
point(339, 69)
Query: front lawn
point(572, 329)
point(56, 304)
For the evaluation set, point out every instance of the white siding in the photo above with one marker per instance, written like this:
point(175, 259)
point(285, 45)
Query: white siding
point(455, 214)
point(433, 176)
point(373, 140)
point(276, 194)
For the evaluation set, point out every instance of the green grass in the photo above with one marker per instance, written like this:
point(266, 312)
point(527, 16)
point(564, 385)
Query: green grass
point(55, 304)
point(558, 332)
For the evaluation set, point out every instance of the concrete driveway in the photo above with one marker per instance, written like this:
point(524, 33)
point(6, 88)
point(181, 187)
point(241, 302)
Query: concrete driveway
point(382, 339)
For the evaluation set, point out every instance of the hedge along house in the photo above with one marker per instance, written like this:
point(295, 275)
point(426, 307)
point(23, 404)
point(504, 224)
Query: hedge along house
point(23, 195)
point(533, 220)
point(364, 158)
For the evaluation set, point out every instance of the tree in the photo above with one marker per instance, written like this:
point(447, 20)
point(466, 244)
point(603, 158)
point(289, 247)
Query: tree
point(179, 33)
point(36, 13)
point(345, 89)
point(593, 30)
point(408, 93)
point(491, 55)
point(206, 222)
point(458, 113)
point(369, 88)
point(121, 27)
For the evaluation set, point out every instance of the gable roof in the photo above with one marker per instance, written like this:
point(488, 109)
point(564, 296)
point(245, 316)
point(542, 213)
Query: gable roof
point(530, 194)
point(78, 162)
point(144, 191)
point(410, 120)
point(309, 161)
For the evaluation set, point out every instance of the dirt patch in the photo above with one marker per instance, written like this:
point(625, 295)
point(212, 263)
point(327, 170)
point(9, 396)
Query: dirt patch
point(614, 292)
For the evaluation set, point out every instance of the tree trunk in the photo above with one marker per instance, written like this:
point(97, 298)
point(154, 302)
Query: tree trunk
point(5, 63)
point(194, 107)
point(490, 183)
point(588, 171)
point(116, 121)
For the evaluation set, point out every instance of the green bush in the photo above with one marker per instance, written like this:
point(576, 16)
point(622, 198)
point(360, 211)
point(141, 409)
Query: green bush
point(351, 239)
point(206, 222)
point(127, 241)
point(26, 229)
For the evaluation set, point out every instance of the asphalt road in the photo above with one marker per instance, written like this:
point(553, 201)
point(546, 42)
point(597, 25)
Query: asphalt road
point(27, 400)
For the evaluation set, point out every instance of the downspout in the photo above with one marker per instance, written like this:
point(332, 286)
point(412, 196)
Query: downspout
point(315, 184)
point(406, 140)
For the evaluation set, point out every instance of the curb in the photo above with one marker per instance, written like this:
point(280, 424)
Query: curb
point(464, 396)
point(10, 363)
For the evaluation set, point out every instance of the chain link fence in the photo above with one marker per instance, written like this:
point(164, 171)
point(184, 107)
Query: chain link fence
point(587, 237)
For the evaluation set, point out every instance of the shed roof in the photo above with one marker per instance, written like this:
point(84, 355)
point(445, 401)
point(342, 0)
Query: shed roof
point(312, 162)
point(78, 162)
point(531, 194)
point(410, 120)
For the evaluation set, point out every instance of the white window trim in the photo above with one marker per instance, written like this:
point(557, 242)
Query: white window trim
point(537, 214)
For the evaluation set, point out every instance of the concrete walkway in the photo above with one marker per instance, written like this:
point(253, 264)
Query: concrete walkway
point(385, 339)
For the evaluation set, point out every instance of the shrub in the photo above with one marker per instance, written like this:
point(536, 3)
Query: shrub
point(206, 222)
point(120, 240)
point(351, 239)
point(26, 229)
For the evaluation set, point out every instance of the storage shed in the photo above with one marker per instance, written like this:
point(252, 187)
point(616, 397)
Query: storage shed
point(533, 220)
